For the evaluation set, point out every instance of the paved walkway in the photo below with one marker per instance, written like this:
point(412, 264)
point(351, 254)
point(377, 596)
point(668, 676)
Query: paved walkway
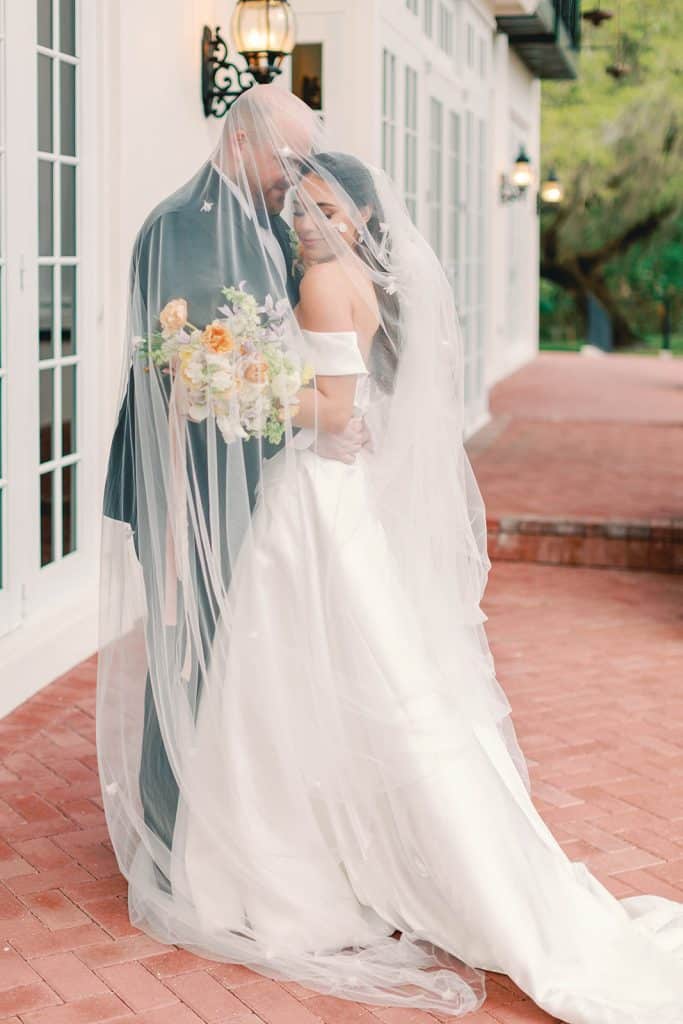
point(598, 706)
point(588, 450)
point(599, 709)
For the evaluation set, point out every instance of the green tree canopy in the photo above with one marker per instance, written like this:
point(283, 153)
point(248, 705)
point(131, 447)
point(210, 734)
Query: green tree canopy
point(617, 145)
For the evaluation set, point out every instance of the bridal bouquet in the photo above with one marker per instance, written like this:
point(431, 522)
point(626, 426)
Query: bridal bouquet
point(237, 367)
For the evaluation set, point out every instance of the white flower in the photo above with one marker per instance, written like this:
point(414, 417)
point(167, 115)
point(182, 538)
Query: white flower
point(207, 207)
point(390, 288)
point(223, 380)
point(215, 359)
point(273, 310)
point(193, 371)
point(285, 385)
point(230, 428)
point(198, 412)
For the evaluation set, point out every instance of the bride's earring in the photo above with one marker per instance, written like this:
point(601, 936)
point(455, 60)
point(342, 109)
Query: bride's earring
point(342, 227)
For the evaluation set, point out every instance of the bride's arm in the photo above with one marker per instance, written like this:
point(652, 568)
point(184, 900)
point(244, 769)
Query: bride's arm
point(325, 305)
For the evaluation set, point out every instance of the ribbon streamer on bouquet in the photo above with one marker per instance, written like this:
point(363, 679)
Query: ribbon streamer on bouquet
point(177, 561)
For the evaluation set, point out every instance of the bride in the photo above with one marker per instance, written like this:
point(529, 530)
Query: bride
point(353, 809)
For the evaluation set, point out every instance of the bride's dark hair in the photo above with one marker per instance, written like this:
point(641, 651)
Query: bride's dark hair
point(356, 180)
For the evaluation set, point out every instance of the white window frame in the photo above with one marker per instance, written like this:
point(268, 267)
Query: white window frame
point(468, 257)
point(33, 590)
point(436, 175)
point(411, 140)
point(455, 205)
point(472, 290)
point(389, 112)
point(428, 18)
point(445, 31)
point(469, 44)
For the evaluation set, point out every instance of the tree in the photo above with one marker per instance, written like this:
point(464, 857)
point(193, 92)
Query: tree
point(618, 147)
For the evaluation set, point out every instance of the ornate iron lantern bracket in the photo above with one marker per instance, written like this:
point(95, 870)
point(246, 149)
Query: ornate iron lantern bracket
point(222, 81)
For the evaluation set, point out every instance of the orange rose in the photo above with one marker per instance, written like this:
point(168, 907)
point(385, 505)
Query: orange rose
point(217, 337)
point(257, 372)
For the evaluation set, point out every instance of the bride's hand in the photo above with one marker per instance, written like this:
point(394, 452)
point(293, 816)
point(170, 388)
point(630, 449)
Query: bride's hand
point(345, 445)
point(366, 436)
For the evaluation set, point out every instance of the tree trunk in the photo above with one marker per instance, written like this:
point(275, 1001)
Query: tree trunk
point(623, 336)
point(581, 272)
point(570, 277)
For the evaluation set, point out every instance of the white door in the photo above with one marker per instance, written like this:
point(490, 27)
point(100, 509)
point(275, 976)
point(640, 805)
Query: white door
point(47, 375)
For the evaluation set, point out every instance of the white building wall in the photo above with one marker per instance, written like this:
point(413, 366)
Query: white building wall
point(142, 133)
point(514, 240)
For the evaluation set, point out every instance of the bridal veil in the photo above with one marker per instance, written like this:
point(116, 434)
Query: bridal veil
point(213, 355)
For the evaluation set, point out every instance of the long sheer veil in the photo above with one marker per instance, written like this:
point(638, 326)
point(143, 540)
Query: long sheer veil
point(213, 354)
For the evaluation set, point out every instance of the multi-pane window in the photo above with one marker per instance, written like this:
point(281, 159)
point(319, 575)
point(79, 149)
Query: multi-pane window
point(389, 113)
point(480, 255)
point(58, 267)
point(473, 261)
point(445, 34)
point(410, 142)
point(470, 45)
point(428, 20)
point(436, 176)
point(468, 248)
point(454, 200)
point(3, 359)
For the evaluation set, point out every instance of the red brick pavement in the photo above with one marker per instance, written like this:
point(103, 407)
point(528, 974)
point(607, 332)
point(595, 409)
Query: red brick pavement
point(588, 454)
point(561, 386)
point(591, 662)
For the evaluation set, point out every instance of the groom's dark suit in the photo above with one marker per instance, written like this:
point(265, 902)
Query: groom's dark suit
point(175, 255)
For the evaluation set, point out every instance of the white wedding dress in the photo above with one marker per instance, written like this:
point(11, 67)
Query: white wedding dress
point(483, 877)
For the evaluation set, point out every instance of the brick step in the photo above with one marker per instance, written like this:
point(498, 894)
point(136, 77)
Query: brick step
point(654, 545)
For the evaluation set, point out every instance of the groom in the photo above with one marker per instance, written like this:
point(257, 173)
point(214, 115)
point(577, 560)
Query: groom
point(193, 243)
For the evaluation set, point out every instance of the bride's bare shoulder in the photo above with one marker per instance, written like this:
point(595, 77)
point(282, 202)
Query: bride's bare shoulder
point(325, 297)
point(329, 274)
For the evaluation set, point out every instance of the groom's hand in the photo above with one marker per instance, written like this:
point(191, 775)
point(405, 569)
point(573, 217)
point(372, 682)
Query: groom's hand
point(344, 446)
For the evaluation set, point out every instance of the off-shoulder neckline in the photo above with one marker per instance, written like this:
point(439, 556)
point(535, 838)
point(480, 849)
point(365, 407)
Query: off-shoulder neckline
point(307, 330)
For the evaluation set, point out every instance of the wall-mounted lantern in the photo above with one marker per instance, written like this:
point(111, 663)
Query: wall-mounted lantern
point(520, 179)
point(263, 32)
point(551, 192)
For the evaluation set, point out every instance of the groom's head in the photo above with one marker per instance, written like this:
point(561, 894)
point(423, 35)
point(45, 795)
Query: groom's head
point(266, 134)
